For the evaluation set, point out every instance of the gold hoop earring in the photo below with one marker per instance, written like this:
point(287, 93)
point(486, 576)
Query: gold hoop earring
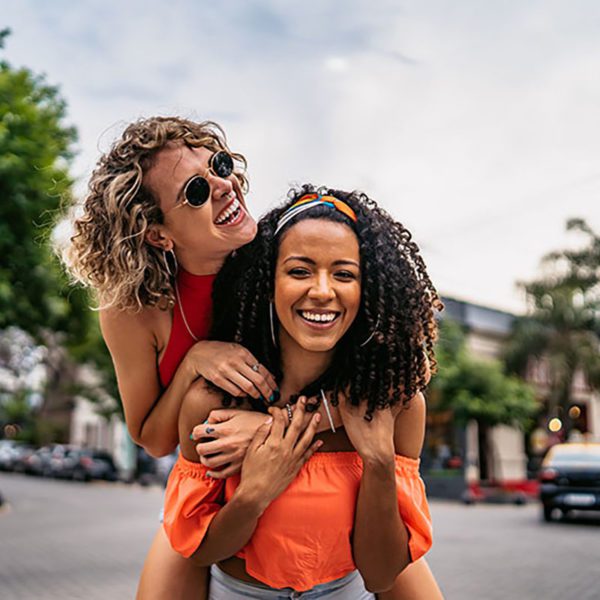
point(372, 334)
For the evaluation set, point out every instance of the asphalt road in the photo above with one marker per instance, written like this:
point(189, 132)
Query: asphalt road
point(68, 541)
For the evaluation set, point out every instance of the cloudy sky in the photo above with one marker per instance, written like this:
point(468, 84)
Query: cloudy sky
point(476, 124)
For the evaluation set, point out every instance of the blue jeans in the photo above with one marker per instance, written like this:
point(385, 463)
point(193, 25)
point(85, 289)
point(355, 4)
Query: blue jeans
point(225, 587)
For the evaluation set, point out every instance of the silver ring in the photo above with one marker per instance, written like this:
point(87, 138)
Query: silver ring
point(256, 367)
point(290, 414)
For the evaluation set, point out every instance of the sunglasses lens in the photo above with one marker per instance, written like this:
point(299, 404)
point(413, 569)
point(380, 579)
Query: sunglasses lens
point(222, 164)
point(197, 191)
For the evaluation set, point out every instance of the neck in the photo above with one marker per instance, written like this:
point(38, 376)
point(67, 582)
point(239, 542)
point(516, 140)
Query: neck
point(200, 264)
point(300, 367)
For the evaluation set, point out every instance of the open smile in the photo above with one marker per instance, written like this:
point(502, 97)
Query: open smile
point(319, 319)
point(232, 214)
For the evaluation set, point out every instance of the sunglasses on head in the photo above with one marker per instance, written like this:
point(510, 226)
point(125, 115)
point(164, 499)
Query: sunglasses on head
point(197, 190)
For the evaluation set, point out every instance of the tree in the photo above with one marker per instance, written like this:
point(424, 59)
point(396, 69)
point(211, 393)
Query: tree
point(36, 151)
point(35, 155)
point(478, 390)
point(562, 329)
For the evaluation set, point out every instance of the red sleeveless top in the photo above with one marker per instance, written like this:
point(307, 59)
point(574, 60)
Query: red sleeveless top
point(195, 293)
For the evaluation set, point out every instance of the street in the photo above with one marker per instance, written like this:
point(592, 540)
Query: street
point(68, 541)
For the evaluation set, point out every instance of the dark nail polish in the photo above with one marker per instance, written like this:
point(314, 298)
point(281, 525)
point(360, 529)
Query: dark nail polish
point(210, 429)
point(274, 397)
point(192, 437)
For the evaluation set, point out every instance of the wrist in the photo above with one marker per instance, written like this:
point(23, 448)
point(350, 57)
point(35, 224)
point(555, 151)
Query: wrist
point(378, 460)
point(190, 361)
point(250, 500)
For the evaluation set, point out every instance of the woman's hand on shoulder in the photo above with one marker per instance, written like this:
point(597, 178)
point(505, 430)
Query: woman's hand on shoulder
point(232, 368)
point(277, 453)
point(227, 434)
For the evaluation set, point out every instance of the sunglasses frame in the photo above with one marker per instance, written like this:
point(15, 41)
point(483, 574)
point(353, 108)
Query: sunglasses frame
point(208, 171)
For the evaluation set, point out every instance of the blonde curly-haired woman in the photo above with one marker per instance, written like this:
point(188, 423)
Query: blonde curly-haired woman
point(165, 207)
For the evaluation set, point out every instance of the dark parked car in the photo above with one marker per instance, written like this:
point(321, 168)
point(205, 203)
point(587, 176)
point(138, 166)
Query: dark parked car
point(82, 464)
point(42, 461)
point(570, 478)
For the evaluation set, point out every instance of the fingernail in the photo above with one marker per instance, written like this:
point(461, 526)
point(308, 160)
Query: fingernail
point(192, 436)
point(210, 429)
point(209, 474)
point(303, 400)
point(317, 417)
point(205, 422)
point(271, 398)
point(269, 421)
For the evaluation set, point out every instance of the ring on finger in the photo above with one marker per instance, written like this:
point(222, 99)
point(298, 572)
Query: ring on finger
point(290, 414)
point(256, 367)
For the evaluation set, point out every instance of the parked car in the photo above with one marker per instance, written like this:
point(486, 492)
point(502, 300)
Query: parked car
point(83, 464)
point(570, 478)
point(41, 462)
point(21, 453)
point(8, 453)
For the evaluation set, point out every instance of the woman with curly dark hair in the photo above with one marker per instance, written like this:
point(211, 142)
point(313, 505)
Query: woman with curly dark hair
point(332, 297)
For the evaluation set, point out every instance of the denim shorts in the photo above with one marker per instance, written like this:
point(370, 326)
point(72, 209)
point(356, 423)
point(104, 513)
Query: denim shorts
point(225, 587)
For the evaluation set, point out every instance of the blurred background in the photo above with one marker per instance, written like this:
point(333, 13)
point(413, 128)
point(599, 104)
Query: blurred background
point(475, 124)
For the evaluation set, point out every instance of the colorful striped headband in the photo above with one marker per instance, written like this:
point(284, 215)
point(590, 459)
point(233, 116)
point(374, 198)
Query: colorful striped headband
point(307, 202)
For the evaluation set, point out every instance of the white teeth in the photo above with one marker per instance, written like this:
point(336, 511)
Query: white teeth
point(318, 317)
point(233, 207)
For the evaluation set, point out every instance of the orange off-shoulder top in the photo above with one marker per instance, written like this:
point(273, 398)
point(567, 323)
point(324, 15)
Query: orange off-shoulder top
point(304, 537)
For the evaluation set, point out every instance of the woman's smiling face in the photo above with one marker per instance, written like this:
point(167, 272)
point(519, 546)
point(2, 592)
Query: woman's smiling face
point(317, 284)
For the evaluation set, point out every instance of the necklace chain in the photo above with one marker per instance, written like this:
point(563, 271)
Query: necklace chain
point(180, 304)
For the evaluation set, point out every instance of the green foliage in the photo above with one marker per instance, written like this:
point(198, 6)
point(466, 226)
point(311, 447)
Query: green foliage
point(36, 151)
point(476, 389)
point(563, 327)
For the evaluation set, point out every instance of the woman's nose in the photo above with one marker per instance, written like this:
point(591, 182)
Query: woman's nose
point(220, 187)
point(322, 289)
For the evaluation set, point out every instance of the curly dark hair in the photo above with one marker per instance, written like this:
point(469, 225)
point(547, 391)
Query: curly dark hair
point(398, 302)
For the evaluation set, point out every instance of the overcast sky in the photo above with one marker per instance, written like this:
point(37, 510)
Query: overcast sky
point(476, 124)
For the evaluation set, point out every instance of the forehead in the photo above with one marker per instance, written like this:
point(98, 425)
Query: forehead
point(174, 164)
point(320, 239)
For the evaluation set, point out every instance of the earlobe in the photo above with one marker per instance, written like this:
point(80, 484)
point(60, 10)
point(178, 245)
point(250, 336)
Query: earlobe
point(155, 237)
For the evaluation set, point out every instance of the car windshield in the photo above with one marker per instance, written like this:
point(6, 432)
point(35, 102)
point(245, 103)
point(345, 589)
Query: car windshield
point(570, 458)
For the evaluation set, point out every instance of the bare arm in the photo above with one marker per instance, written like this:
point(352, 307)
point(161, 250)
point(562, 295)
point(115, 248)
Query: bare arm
point(151, 413)
point(271, 463)
point(380, 540)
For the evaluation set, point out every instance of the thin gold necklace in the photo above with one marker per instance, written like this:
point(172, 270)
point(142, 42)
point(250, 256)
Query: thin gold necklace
point(195, 338)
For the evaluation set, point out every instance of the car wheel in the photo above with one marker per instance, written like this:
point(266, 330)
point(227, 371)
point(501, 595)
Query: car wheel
point(80, 475)
point(547, 513)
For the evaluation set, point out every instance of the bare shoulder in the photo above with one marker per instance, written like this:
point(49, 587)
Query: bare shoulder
point(409, 430)
point(116, 323)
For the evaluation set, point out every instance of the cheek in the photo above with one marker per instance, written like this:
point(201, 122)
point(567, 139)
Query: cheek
point(353, 302)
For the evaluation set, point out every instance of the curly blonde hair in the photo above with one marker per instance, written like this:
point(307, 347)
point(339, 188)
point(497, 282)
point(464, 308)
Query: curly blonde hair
point(107, 251)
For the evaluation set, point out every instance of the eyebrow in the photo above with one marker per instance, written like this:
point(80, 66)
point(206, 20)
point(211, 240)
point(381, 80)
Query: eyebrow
point(310, 261)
